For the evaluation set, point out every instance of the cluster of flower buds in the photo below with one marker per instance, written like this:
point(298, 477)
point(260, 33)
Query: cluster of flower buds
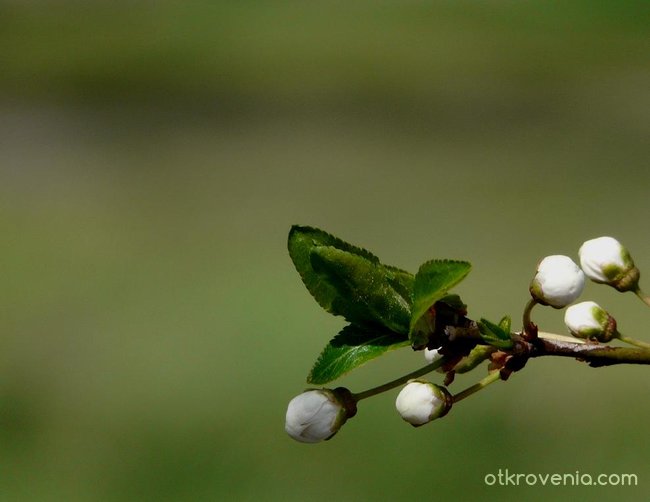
point(318, 414)
point(559, 282)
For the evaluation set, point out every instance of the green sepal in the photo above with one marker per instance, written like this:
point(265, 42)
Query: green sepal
point(432, 282)
point(352, 347)
point(506, 324)
point(349, 281)
point(497, 335)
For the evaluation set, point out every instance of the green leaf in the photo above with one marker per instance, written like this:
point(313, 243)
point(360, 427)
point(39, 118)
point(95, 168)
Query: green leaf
point(362, 291)
point(496, 334)
point(455, 302)
point(303, 239)
point(401, 280)
point(350, 281)
point(352, 347)
point(432, 282)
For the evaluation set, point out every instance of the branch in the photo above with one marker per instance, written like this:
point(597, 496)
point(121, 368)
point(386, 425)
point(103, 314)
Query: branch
point(550, 344)
point(596, 354)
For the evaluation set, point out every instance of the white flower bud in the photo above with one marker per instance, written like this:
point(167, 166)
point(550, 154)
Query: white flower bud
point(590, 321)
point(558, 282)
point(433, 355)
point(315, 415)
point(606, 261)
point(420, 402)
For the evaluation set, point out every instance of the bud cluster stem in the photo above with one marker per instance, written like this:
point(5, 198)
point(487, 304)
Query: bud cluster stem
point(595, 354)
point(633, 341)
point(642, 296)
point(399, 381)
point(492, 377)
point(529, 328)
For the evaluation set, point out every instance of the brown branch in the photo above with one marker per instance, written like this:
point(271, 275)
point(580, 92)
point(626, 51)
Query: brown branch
point(596, 354)
point(549, 344)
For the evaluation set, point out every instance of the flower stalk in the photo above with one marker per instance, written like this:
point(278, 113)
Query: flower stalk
point(530, 330)
point(492, 377)
point(399, 381)
point(633, 341)
point(642, 296)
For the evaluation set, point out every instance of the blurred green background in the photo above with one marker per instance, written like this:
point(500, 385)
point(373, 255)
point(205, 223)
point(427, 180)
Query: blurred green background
point(153, 156)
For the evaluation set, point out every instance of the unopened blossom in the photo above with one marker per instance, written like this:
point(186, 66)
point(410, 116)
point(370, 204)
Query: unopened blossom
point(589, 320)
point(432, 355)
point(420, 402)
point(605, 260)
point(315, 415)
point(558, 281)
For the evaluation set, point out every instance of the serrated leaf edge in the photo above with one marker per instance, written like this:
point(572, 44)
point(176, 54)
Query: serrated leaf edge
point(405, 342)
point(443, 292)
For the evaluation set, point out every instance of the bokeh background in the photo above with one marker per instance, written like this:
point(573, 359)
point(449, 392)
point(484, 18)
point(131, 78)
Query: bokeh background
point(153, 156)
